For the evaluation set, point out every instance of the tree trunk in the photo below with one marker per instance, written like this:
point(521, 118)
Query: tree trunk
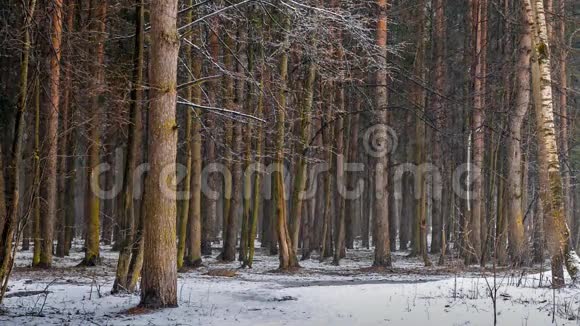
point(352, 205)
point(551, 190)
point(474, 246)
point(255, 49)
point(439, 36)
point(418, 100)
point(159, 280)
point(92, 254)
point(194, 249)
point(564, 133)
point(210, 204)
point(326, 247)
point(52, 109)
point(286, 250)
point(9, 207)
point(302, 149)
point(232, 189)
point(517, 241)
point(37, 223)
point(128, 211)
point(65, 144)
point(382, 257)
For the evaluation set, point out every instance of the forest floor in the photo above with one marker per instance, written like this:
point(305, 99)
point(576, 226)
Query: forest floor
point(316, 294)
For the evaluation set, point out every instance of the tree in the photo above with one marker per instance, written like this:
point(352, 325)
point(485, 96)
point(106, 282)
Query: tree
point(92, 249)
point(128, 211)
point(194, 242)
point(380, 210)
point(9, 208)
point(52, 108)
point(286, 249)
point(517, 243)
point(159, 280)
point(550, 179)
point(439, 66)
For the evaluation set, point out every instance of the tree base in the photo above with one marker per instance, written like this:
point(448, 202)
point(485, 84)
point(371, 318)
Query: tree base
point(189, 264)
point(90, 262)
point(154, 303)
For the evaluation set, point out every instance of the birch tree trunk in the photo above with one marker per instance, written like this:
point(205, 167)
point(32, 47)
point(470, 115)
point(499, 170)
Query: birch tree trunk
point(551, 190)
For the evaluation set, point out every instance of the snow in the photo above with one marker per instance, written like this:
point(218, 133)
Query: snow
point(318, 294)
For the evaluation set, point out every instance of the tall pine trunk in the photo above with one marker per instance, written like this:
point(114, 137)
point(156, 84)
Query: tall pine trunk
point(159, 279)
point(52, 108)
point(382, 256)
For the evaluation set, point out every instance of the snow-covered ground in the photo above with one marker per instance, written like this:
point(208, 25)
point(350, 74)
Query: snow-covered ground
point(317, 294)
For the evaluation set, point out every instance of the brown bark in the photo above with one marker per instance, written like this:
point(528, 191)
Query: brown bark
point(474, 247)
point(382, 256)
point(52, 108)
point(439, 36)
point(286, 250)
point(159, 279)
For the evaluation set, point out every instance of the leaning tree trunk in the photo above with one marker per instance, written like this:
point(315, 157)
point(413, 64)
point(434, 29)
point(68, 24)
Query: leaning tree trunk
point(551, 190)
point(9, 207)
point(159, 280)
point(133, 153)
